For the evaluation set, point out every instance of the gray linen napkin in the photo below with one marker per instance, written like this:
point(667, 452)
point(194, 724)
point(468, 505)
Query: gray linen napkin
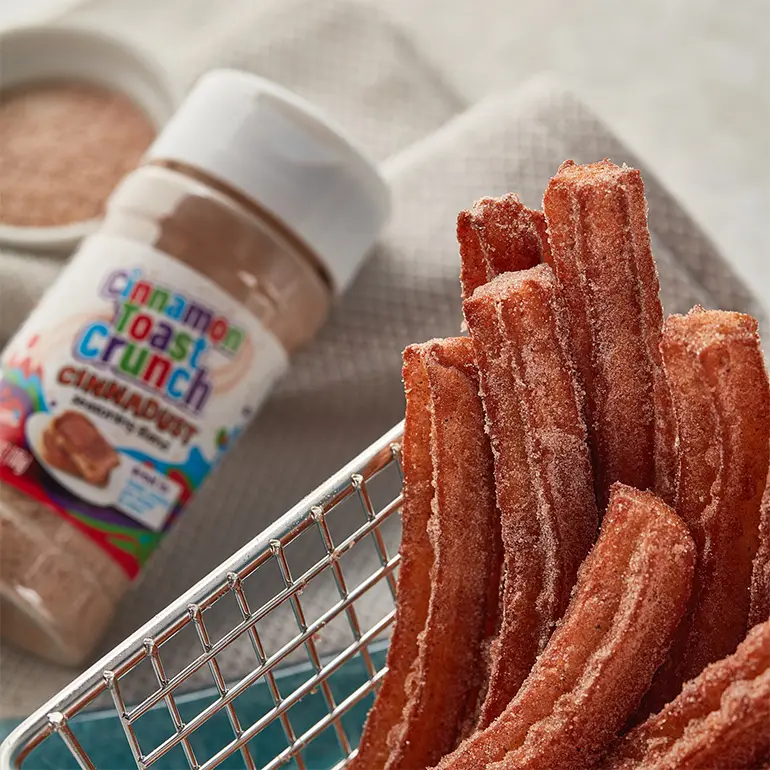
point(344, 390)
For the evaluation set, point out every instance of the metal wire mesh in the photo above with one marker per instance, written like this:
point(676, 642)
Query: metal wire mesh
point(54, 721)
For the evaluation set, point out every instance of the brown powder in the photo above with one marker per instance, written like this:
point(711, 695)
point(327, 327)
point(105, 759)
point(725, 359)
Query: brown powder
point(66, 605)
point(63, 148)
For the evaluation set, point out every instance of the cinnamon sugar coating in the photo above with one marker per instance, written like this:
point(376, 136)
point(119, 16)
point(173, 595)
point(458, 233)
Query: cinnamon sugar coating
point(630, 595)
point(498, 235)
point(722, 402)
point(461, 530)
point(760, 575)
point(600, 252)
point(543, 476)
point(414, 572)
point(720, 719)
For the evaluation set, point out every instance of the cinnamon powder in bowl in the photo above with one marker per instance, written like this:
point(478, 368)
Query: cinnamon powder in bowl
point(77, 111)
point(64, 145)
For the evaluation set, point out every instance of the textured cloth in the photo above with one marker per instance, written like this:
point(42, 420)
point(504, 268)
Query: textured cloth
point(344, 390)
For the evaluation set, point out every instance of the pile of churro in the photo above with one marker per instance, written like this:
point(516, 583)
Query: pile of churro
point(585, 558)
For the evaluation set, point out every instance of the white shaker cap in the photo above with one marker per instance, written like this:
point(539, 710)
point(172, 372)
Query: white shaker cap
point(282, 152)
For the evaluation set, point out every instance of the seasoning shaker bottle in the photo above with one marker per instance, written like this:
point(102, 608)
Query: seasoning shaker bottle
point(216, 259)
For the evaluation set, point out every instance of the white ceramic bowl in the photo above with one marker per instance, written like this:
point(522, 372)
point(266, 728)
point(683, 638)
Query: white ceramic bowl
point(34, 53)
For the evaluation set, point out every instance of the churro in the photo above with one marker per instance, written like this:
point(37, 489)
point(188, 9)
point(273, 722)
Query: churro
point(543, 476)
point(722, 403)
point(630, 595)
point(498, 235)
point(461, 529)
point(760, 574)
point(600, 252)
point(414, 573)
point(721, 719)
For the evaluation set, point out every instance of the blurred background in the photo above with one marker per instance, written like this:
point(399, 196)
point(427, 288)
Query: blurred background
point(686, 83)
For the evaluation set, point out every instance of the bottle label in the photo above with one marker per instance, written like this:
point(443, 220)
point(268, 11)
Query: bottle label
point(124, 388)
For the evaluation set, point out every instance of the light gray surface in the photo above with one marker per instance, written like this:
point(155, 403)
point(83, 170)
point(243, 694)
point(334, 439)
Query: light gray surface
point(686, 83)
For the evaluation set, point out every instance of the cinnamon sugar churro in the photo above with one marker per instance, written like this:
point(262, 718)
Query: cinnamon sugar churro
point(631, 592)
point(600, 252)
point(721, 719)
point(543, 474)
point(722, 402)
point(414, 573)
point(461, 529)
point(498, 235)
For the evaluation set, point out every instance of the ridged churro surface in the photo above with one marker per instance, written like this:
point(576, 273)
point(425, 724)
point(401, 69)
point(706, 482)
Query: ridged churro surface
point(543, 476)
point(414, 573)
point(719, 721)
point(600, 252)
point(630, 595)
point(462, 530)
point(498, 235)
point(722, 402)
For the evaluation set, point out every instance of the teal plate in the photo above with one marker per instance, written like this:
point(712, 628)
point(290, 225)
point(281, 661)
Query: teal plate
point(101, 734)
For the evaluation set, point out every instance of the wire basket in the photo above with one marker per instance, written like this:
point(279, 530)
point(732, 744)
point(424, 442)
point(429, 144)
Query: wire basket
point(246, 740)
